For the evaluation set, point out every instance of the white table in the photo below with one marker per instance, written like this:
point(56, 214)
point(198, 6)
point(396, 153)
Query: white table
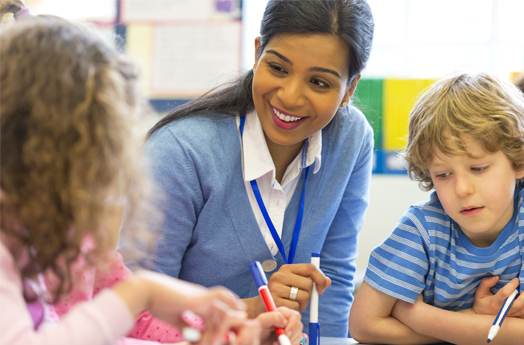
point(345, 341)
point(337, 341)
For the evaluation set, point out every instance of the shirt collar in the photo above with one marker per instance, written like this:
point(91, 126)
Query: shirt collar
point(256, 157)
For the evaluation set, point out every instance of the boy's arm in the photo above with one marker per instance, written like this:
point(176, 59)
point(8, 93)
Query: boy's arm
point(370, 320)
point(457, 328)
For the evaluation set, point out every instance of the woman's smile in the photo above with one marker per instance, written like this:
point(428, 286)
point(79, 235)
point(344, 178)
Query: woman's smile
point(299, 83)
point(286, 120)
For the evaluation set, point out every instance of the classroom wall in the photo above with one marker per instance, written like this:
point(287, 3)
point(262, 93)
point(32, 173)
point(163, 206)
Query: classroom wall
point(390, 197)
point(411, 44)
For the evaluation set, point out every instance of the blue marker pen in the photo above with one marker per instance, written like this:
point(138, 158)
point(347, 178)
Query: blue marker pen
point(314, 327)
point(501, 316)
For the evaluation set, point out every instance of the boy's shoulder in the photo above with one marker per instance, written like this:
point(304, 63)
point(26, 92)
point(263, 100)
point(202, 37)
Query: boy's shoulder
point(427, 219)
point(431, 207)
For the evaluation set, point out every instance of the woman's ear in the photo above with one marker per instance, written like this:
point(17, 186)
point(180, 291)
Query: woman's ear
point(350, 91)
point(257, 55)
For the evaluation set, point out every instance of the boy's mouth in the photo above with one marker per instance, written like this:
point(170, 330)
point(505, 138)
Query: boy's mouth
point(471, 210)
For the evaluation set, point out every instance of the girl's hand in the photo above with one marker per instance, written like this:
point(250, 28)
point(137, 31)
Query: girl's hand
point(489, 304)
point(284, 318)
point(301, 276)
point(166, 298)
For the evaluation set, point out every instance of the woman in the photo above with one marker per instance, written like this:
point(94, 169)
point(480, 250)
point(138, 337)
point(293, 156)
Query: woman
point(273, 126)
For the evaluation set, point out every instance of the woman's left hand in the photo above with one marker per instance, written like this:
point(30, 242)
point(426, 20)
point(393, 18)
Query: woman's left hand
point(301, 276)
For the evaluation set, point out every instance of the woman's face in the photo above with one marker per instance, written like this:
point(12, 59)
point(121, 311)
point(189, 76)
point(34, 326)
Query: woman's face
point(299, 83)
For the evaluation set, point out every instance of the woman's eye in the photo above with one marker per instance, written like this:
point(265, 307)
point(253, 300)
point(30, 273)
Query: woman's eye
point(320, 83)
point(277, 69)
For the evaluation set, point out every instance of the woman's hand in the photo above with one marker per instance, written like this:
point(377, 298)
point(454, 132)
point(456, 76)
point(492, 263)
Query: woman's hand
point(489, 304)
point(284, 318)
point(167, 298)
point(301, 276)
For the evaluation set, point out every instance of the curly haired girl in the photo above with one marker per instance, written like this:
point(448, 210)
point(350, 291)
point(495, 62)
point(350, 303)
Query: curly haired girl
point(68, 103)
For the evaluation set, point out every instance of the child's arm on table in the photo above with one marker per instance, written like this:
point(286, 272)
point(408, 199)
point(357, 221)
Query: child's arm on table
point(166, 298)
point(459, 328)
point(371, 321)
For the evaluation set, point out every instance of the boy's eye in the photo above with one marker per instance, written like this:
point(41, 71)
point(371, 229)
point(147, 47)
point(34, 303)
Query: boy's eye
point(479, 169)
point(442, 175)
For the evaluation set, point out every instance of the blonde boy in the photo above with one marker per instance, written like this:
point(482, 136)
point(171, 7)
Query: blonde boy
point(446, 269)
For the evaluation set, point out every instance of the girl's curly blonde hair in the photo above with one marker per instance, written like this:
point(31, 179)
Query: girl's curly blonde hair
point(68, 103)
point(481, 105)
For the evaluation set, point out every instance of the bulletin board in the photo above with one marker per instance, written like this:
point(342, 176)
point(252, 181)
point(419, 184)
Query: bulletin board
point(184, 47)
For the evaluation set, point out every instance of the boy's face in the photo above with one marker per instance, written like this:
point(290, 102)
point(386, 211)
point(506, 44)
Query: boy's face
point(477, 193)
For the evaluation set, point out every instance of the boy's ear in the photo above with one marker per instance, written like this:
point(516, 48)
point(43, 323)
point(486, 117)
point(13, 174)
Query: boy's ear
point(520, 171)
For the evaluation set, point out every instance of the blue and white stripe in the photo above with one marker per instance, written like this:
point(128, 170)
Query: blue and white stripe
point(428, 253)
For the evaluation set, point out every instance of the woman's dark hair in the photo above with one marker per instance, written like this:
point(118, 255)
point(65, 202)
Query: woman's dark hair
point(351, 20)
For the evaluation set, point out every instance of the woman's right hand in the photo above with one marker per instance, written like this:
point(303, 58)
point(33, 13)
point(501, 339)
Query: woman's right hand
point(301, 276)
point(167, 298)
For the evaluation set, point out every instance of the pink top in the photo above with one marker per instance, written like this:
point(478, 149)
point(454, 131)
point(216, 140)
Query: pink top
point(89, 282)
point(104, 320)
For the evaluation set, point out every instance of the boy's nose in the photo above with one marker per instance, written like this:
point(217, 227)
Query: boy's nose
point(463, 185)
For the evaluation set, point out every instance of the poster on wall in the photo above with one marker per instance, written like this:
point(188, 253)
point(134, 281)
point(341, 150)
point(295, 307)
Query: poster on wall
point(188, 60)
point(133, 11)
point(185, 47)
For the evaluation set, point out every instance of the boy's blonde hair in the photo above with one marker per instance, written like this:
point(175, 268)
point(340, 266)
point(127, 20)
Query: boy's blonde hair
point(481, 105)
point(68, 102)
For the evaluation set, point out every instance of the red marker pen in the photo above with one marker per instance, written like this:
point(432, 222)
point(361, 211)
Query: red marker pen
point(261, 281)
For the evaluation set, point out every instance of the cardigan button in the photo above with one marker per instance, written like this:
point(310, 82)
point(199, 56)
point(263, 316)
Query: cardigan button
point(269, 265)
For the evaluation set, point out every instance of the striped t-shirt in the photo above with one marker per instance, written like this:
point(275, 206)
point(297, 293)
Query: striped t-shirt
point(427, 252)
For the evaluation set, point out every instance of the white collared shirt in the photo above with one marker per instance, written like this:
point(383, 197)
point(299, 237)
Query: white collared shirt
point(258, 164)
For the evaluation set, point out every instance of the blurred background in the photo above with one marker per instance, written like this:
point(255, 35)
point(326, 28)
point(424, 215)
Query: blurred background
point(185, 47)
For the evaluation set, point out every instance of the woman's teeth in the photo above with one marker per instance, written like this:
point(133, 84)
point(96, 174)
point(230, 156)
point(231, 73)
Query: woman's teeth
point(286, 118)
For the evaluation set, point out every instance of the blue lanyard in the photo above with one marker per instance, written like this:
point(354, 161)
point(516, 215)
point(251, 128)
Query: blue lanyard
point(269, 223)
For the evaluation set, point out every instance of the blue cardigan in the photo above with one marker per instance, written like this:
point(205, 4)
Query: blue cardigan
point(210, 235)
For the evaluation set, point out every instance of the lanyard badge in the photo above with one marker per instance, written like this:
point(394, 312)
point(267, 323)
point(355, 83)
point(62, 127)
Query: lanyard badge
point(269, 223)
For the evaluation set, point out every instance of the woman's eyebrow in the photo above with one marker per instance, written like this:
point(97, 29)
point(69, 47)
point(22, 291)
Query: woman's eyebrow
point(280, 56)
point(325, 70)
point(312, 69)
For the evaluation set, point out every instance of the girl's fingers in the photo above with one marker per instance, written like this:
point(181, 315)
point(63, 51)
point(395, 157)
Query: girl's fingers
point(249, 333)
point(228, 297)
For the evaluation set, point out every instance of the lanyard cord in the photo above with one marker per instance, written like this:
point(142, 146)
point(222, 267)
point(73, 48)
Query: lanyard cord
point(269, 223)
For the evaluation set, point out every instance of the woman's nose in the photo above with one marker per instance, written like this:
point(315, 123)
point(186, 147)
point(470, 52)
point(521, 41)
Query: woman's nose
point(291, 93)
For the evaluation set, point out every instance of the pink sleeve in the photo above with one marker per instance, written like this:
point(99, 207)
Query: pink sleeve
point(102, 321)
point(90, 282)
point(147, 327)
point(113, 271)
